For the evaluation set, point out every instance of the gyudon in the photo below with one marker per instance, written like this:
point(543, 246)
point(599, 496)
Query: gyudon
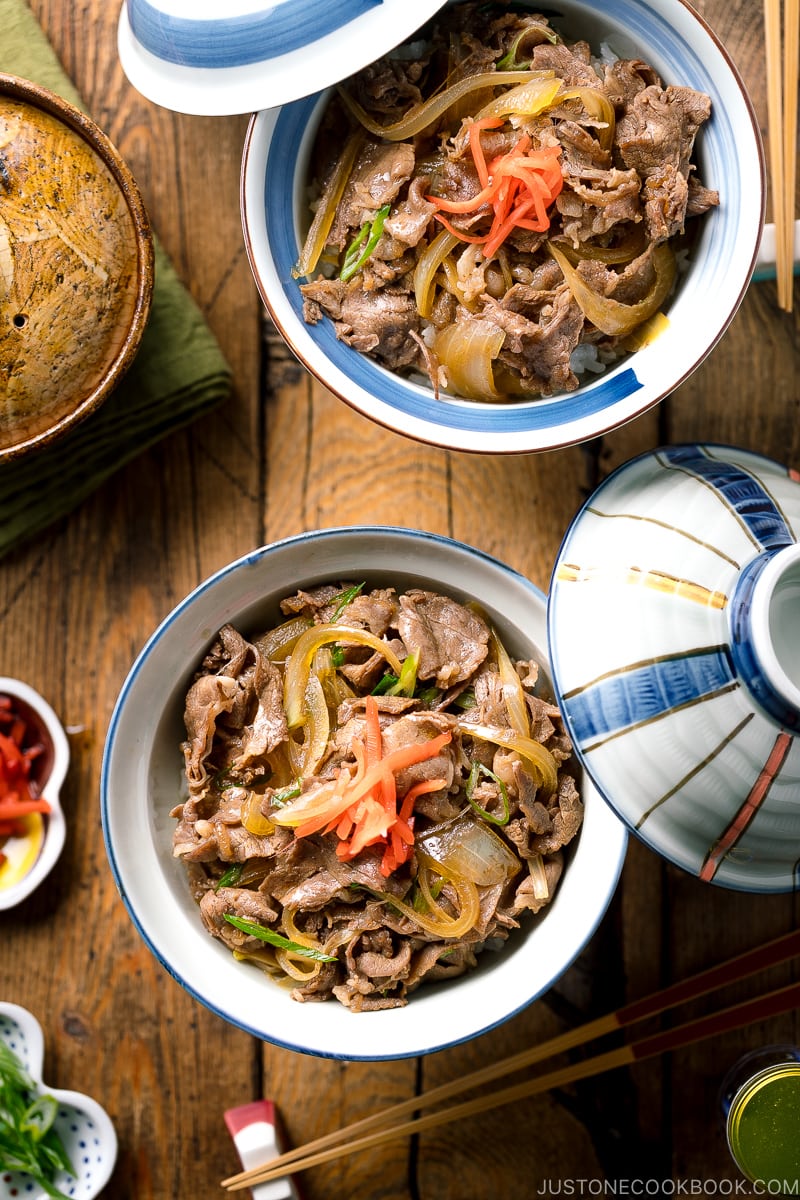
point(500, 208)
point(377, 793)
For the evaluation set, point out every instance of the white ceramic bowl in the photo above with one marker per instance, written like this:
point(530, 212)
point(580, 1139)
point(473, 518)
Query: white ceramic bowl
point(247, 55)
point(674, 624)
point(82, 1124)
point(670, 36)
point(141, 783)
point(50, 772)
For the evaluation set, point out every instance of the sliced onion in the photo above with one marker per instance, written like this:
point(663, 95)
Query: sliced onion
point(598, 106)
point(472, 850)
point(298, 667)
point(252, 817)
point(297, 967)
point(528, 748)
point(467, 350)
point(278, 642)
point(541, 888)
point(513, 691)
point(306, 756)
point(625, 252)
point(527, 99)
point(421, 116)
point(326, 211)
point(438, 922)
point(296, 935)
point(428, 264)
point(610, 316)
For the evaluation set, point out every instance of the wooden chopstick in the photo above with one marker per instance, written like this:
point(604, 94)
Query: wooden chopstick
point(352, 1137)
point(782, 80)
point(738, 1015)
point(791, 71)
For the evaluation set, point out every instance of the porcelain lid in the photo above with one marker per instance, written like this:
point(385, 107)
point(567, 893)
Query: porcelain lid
point(257, 55)
point(674, 626)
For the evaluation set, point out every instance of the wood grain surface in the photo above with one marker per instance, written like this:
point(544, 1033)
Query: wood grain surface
point(281, 456)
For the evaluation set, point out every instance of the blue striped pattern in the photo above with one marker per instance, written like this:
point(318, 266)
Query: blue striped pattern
point(640, 694)
point(239, 41)
point(740, 491)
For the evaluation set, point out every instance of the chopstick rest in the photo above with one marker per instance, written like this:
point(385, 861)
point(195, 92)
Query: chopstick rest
point(256, 1133)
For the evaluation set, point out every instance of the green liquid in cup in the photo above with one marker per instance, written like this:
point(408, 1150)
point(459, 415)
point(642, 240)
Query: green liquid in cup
point(764, 1125)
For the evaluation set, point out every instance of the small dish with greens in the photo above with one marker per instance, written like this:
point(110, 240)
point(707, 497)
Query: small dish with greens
point(53, 1143)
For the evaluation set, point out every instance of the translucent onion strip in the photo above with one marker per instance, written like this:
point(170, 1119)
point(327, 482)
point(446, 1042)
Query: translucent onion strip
point(421, 116)
point(298, 666)
point(513, 691)
point(599, 107)
point(610, 316)
point(528, 748)
point(252, 817)
point(439, 923)
point(326, 211)
point(530, 98)
point(306, 756)
point(467, 351)
point(428, 264)
point(279, 642)
point(296, 967)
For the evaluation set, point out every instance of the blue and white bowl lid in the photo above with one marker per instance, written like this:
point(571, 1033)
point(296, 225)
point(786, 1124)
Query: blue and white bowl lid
point(678, 684)
point(213, 60)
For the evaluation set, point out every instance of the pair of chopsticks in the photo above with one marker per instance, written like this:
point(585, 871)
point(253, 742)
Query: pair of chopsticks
point(387, 1126)
point(783, 67)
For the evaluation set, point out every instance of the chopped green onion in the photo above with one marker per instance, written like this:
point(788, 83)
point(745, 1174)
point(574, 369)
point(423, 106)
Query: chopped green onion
point(288, 793)
point(337, 655)
point(383, 686)
point(479, 769)
point(355, 256)
point(230, 877)
point(428, 695)
point(277, 939)
point(343, 599)
point(465, 700)
point(28, 1139)
point(407, 680)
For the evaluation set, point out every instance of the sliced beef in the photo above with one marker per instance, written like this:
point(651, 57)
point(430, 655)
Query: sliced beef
point(378, 322)
point(451, 641)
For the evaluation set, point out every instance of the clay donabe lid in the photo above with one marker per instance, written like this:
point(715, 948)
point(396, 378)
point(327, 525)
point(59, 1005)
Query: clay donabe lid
point(76, 266)
point(249, 55)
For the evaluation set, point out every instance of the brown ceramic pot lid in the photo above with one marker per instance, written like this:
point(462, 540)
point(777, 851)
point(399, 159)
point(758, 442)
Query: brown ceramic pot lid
point(76, 266)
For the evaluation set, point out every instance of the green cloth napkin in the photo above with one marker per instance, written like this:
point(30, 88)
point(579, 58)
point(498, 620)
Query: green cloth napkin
point(178, 373)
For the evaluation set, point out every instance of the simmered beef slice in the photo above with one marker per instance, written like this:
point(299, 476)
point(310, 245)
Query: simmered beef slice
point(380, 171)
point(241, 705)
point(378, 323)
point(451, 640)
point(542, 329)
point(655, 136)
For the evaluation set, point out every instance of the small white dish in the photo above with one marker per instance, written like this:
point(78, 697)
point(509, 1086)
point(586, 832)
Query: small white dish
point(248, 55)
point(142, 778)
point(82, 1124)
point(50, 772)
point(674, 625)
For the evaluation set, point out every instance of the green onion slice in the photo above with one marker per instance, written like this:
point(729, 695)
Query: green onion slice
point(479, 769)
point(277, 939)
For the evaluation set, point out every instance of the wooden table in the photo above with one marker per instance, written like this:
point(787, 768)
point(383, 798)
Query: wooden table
point(78, 603)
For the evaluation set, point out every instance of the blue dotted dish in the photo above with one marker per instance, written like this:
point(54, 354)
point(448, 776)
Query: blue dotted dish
point(83, 1126)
